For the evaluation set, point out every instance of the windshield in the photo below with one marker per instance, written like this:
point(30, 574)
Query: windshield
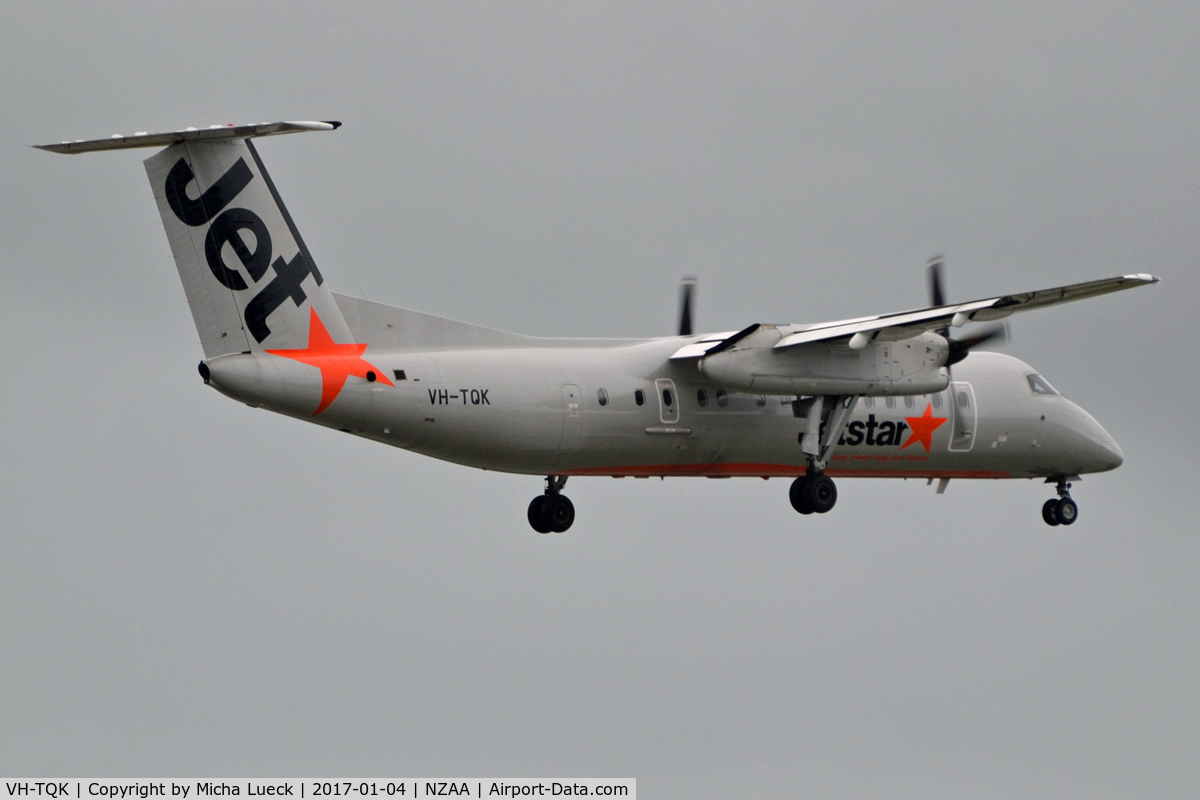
point(1040, 385)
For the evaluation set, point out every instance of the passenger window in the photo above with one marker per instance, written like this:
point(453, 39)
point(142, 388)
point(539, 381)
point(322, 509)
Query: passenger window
point(908, 401)
point(722, 398)
point(963, 401)
point(639, 397)
point(890, 402)
point(602, 397)
point(936, 400)
point(869, 402)
point(702, 397)
point(668, 398)
point(760, 401)
point(1040, 385)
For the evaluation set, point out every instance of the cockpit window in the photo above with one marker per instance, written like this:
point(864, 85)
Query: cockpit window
point(1040, 385)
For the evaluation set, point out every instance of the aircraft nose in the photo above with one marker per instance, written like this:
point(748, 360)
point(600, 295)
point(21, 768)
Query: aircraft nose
point(1101, 451)
point(1112, 457)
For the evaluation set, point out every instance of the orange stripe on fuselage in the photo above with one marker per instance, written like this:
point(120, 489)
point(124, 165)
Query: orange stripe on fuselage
point(776, 471)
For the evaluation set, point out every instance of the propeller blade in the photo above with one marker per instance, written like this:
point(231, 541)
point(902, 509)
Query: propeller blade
point(687, 300)
point(960, 348)
point(937, 297)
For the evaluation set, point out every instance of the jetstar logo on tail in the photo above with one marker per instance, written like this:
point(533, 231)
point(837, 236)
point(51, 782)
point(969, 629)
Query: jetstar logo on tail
point(337, 362)
point(923, 428)
point(228, 225)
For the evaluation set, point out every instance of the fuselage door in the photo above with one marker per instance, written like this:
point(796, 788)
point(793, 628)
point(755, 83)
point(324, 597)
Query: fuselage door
point(965, 415)
point(571, 418)
point(668, 401)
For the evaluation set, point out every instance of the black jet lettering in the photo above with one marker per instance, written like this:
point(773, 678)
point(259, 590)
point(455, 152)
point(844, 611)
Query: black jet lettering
point(288, 277)
point(887, 429)
point(871, 425)
point(227, 229)
point(854, 434)
point(197, 212)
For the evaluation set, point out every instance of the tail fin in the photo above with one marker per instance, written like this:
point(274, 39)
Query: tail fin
point(248, 277)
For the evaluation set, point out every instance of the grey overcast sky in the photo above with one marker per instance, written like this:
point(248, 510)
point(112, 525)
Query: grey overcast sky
point(189, 587)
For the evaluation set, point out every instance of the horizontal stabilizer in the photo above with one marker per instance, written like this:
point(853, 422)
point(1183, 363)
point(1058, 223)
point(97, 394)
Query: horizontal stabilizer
point(213, 133)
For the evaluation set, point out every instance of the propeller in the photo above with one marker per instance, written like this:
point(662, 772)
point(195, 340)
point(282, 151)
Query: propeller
point(687, 302)
point(959, 348)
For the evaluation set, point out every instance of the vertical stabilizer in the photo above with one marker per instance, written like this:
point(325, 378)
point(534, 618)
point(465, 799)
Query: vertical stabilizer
point(249, 279)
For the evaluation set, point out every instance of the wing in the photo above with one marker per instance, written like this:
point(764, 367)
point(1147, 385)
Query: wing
point(906, 324)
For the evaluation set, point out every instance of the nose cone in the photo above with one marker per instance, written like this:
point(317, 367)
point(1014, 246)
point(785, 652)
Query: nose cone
point(1110, 456)
point(1098, 450)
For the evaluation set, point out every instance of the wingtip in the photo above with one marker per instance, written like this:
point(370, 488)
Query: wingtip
point(1143, 277)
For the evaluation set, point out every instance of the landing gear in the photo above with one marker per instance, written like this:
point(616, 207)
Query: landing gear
point(814, 493)
point(1061, 510)
point(825, 420)
point(798, 494)
point(1049, 511)
point(1068, 512)
point(551, 512)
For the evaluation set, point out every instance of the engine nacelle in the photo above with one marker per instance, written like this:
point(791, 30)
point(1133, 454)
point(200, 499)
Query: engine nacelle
point(908, 366)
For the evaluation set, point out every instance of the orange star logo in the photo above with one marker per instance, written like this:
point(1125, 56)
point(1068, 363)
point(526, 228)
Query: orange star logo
point(337, 362)
point(923, 428)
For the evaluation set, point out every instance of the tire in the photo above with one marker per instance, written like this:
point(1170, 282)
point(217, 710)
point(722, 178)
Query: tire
point(1050, 512)
point(822, 493)
point(558, 513)
point(799, 497)
point(535, 514)
point(1067, 511)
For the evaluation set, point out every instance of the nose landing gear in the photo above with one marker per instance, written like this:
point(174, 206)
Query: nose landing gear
point(552, 512)
point(1061, 510)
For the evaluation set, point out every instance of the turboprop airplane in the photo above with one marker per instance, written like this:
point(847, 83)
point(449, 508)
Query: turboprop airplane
point(888, 396)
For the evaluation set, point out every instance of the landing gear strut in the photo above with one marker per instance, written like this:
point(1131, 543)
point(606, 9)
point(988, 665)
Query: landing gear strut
point(552, 512)
point(1061, 510)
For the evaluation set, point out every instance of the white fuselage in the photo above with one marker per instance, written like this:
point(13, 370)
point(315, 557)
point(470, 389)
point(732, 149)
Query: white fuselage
point(537, 409)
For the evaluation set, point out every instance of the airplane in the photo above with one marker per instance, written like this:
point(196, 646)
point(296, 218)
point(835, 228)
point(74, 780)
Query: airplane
point(894, 395)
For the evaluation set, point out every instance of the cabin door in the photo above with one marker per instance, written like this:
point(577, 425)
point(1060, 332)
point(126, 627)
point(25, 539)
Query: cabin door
point(965, 414)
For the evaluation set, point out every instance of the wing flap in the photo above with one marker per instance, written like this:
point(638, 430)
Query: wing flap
point(700, 348)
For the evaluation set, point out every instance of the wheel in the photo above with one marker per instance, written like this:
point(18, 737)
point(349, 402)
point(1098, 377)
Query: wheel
point(1068, 512)
point(558, 512)
point(1050, 511)
point(822, 493)
point(535, 514)
point(799, 497)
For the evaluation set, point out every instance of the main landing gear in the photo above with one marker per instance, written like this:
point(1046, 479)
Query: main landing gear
point(826, 418)
point(813, 493)
point(1061, 510)
point(552, 512)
